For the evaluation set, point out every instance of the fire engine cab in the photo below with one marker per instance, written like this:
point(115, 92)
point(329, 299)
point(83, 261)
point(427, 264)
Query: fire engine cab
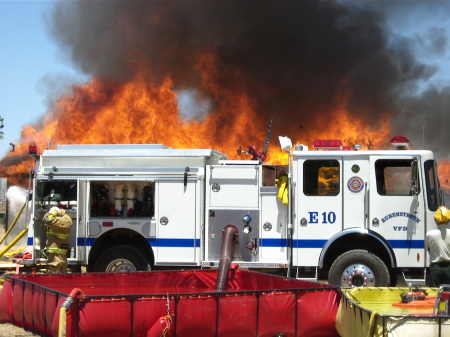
point(356, 217)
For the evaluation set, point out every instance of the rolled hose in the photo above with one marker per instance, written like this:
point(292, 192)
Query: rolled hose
point(229, 234)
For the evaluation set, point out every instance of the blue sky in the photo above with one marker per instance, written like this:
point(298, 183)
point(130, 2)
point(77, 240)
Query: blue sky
point(29, 64)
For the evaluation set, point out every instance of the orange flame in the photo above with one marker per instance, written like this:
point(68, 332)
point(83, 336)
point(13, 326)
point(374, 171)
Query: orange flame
point(104, 112)
point(328, 181)
point(443, 173)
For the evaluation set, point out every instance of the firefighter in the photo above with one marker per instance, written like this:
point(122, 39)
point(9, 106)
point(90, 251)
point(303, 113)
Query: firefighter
point(438, 244)
point(58, 225)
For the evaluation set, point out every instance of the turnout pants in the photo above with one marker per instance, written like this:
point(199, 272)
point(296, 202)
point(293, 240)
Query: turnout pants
point(56, 263)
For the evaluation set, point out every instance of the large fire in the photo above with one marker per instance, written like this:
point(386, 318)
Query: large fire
point(105, 112)
point(250, 62)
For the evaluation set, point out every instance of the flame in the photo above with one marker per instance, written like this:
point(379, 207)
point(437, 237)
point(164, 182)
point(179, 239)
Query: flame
point(328, 181)
point(234, 69)
point(134, 112)
point(397, 180)
point(443, 173)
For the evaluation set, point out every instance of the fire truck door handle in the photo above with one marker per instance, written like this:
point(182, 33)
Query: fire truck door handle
point(366, 206)
point(186, 170)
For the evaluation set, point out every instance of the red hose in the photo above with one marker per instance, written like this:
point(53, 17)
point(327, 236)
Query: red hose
point(75, 293)
point(229, 234)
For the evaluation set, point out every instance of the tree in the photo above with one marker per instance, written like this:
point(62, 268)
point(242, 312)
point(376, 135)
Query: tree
point(1, 127)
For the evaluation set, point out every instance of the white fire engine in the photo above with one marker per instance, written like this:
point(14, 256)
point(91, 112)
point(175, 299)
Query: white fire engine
point(357, 217)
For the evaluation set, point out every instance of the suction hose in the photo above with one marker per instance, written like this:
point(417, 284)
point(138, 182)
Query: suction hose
point(229, 234)
point(75, 293)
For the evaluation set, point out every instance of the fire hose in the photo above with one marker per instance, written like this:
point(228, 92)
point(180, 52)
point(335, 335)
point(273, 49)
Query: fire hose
point(13, 242)
point(75, 293)
point(14, 222)
point(229, 234)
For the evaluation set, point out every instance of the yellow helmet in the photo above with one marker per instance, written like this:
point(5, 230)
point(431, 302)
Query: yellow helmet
point(442, 215)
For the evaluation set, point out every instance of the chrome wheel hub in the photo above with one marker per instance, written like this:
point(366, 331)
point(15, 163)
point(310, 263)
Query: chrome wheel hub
point(120, 266)
point(358, 275)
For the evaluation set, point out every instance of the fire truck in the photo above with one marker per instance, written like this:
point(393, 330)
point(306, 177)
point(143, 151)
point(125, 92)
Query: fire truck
point(355, 217)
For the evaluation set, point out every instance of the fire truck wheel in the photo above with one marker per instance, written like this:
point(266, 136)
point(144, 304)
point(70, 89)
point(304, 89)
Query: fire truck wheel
point(122, 258)
point(359, 268)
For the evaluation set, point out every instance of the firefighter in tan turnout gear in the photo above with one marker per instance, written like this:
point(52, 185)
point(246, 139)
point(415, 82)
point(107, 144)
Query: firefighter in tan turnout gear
point(58, 225)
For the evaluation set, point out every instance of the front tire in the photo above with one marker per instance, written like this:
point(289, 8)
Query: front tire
point(121, 258)
point(359, 268)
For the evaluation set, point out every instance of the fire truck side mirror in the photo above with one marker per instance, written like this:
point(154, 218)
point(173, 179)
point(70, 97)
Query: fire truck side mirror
point(415, 177)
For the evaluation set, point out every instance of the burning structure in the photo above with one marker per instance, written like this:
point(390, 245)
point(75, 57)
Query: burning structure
point(195, 74)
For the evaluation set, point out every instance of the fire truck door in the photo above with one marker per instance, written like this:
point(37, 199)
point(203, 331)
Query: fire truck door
point(355, 191)
point(395, 212)
point(176, 216)
point(318, 207)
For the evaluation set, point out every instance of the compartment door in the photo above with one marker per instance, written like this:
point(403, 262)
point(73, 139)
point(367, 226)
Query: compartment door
point(176, 221)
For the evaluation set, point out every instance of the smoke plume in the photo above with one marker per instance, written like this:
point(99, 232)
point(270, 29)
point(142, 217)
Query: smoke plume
point(292, 58)
point(300, 62)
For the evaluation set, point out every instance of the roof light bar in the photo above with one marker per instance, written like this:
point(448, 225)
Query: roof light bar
point(330, 145)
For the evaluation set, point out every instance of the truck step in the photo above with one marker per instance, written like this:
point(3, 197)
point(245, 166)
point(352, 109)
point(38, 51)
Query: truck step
point(311, 279)
point(307, 274)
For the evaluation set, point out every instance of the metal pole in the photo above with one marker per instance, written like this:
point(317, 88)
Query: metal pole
point(290, 217)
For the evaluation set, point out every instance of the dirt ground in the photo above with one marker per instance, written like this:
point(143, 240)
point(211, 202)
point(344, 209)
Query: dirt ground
point(10, 330)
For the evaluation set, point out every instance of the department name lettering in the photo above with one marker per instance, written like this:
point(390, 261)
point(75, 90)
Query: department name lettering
point(404, 214)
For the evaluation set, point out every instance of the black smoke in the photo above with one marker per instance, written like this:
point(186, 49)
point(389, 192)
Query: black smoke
point(292, 58)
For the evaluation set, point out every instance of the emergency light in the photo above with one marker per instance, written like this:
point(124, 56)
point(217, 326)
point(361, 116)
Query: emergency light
point(401, 143)
point(320, 144)
point(32, 150)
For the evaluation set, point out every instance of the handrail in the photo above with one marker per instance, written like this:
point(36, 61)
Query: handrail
point(436, 309)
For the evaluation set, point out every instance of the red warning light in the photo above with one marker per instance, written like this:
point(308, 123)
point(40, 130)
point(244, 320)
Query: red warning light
point(401, 143)
point(321, 144)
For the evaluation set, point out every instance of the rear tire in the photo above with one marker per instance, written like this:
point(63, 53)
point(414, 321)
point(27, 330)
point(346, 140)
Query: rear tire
point(359, 268)
point(121, 258)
